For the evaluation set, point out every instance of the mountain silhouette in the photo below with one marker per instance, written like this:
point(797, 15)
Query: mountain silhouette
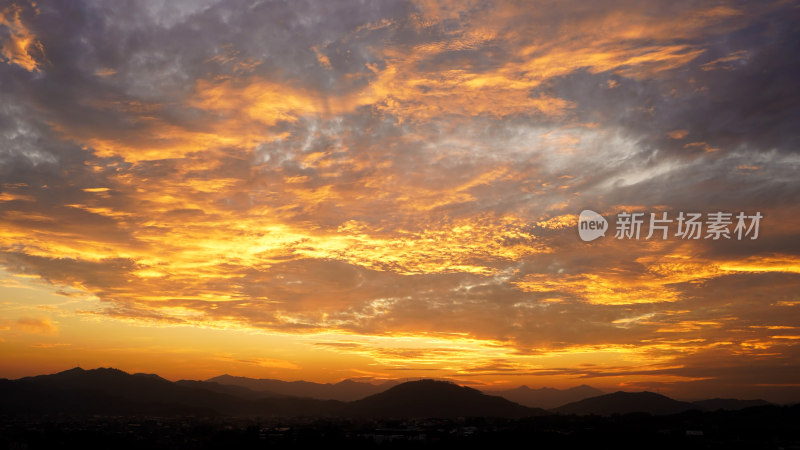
point(112, 391)
point(237, 391)
point(347, 390)
point(546, 397)
point(621, 402)
point(100, 391)
point(728, 404)
point(108, 391)
point(440, 399)
point(146, 375)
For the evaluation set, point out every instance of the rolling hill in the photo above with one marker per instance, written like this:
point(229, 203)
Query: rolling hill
point(728, 404)
point(441, 399)
point(545, 397)
point(621, 402)
point(107, 391)
point(112, 391)
point(347, 390)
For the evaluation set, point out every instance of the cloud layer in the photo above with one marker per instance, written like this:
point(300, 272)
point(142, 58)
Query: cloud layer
point(415, 169)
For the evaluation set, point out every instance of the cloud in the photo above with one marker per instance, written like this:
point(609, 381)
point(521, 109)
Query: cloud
point(34, 325)
point(260, 362)
point(19, 46)
point(410, 169)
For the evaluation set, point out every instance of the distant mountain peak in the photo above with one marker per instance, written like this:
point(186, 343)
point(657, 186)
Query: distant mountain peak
point(622, 402)
point(436, 398)
point(78, 371)
point(346, 390)
point(149, 375)
point(730, 404)
point(546, 397)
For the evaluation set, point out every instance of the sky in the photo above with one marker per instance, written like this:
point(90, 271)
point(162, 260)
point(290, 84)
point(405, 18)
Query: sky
point(324, 190)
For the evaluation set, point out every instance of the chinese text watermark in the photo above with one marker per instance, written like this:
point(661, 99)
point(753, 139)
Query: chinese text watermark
point(715, 225)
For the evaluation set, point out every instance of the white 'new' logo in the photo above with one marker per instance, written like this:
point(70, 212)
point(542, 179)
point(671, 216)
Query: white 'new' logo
point(591, 225)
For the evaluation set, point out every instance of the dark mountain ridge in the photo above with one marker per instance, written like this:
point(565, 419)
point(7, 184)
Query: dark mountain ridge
point(109, 391)
point(441, 399)
point(347, 390)
point(114, 392)
point(621, 402)
point(728, 404)
point(546, 397)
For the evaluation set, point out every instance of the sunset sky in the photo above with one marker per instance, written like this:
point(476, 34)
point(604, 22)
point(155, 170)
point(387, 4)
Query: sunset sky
point(324, 190)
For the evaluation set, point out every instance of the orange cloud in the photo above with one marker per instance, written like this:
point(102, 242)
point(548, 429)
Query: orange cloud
point(21, 47)
point(35, 325)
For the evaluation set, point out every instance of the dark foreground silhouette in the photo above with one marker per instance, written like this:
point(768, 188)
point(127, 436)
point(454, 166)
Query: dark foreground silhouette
point(114, 392)
point(108, 408)
point(762, 427)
